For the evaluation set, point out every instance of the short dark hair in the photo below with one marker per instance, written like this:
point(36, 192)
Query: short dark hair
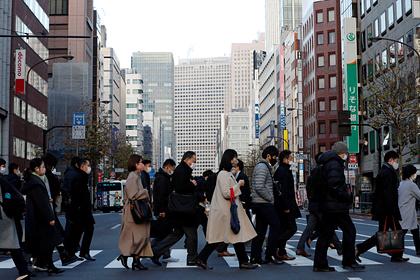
point(284, 154)
point(208, 173)
point(82, 161)
point(50, 161)
point(133, 161)
point(270, 150)
point(408, 171)
point(188, 155)
point(74, 161)
point(12, 167)
point(391, 155)
point(317, 156)
point(35, 163)
point(146, 161)
point(240, 164)
point(225, 163)
point(169, 162)
point(2, 161)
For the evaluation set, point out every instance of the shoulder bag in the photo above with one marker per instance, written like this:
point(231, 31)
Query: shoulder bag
point(390, 241)
point(141, 211)
point(234, 219)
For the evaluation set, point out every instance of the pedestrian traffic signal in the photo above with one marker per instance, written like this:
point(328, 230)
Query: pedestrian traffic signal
point(344, 123)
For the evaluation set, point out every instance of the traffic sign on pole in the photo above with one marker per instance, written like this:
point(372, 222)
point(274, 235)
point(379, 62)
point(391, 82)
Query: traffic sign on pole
point(78, 132)
point(79, 119)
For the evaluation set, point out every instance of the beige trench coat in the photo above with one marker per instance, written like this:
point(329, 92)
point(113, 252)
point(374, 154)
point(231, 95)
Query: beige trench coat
point(134, 238)
point(218, 228)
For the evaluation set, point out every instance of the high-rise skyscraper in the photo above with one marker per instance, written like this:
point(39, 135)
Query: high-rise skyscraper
point(200, 89)
point(157, 71)
point(291, 13)
point(272, 24)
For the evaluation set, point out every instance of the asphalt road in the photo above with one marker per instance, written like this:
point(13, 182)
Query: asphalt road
point(105, 248)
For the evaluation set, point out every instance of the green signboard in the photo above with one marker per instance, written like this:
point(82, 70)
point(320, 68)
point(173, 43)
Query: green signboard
point(353, 107)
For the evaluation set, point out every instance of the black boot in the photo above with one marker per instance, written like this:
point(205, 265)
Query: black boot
point(138, 265)
point(123, 260)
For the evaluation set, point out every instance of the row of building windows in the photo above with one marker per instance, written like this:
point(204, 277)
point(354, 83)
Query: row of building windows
point(320, 16)
point(332, 60)
point(320, 37)
point(34, 43)
point(332, 82)
point(39, 13)
point(34, 115)
point(37, 82)
point(19, 149)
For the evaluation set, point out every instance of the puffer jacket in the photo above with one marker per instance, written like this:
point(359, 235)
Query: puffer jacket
point(262, 183)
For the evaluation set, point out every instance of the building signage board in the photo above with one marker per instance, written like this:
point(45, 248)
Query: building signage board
point(79, 126)
point(20, 71)
point(257, 121)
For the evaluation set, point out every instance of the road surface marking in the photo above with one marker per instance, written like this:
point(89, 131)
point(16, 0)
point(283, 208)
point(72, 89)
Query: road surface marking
point(333, 254)
point(7, 264)
point(73, 265)
point(299, 261)
point(117, 264)
point(412, 259)
point(181, 255)
point(116, 226)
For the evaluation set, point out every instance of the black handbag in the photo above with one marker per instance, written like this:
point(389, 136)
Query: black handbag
point(182, 203)
point(141, 211)
point(390, 241)
point(234, 218)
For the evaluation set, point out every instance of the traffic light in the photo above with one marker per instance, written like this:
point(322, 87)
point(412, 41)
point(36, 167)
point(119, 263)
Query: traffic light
point(344, 123)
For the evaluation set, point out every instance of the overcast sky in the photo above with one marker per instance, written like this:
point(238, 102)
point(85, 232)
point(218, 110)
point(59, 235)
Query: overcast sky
point(188, 28)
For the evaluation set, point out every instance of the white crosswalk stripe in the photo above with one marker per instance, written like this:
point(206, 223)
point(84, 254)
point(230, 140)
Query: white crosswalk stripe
point(73, 265)
point(7, 264)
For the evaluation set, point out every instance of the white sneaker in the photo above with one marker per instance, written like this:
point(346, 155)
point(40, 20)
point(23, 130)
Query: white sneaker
point(170, 260)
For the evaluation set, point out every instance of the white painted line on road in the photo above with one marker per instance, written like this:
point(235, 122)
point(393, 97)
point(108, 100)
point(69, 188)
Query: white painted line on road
point(73, 265)
point(333, 254)
point(232, 262)
point(116, 226)
point(7, 264)
point(354, 278)
point(299, 261)
point(412, 259)
point(181, 255)
point(117, 264)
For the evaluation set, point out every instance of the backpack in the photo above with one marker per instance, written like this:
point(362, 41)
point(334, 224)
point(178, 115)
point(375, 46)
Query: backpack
point(12, 201)
point(315, 185)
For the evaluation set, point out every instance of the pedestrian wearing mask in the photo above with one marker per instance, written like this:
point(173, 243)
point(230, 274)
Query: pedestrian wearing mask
point(184, 219)
point(219, 227)
point(285, 202)
point(408, 194)
point(3, 170)
point(335, 211)
point(79, 214)
point(145, 175)
point(40, 219)
point(385, 204)
point(134, 238)
point(263, 207)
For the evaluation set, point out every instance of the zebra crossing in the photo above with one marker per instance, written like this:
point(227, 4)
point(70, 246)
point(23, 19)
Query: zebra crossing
point(371, 258)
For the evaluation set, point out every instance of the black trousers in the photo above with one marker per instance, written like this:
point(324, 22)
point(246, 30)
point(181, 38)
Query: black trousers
point(416, 238)
point(372, 241)
point(19, 261)
point(210, 248)
point(266, 215)
point(328, 224)
point(288, 228)
point(190, 233)
point(74, 232)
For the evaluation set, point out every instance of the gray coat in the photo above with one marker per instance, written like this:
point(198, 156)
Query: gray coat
point(262, 183)
point(8, 234)
point(408, 193)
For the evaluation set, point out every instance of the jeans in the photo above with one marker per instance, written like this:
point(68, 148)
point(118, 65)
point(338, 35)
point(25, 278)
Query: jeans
point(209, 248)
point(328, 225)
point(191, 242)
point(372, 241)
point(288, 228)
point(416, 238)
point(266, 215)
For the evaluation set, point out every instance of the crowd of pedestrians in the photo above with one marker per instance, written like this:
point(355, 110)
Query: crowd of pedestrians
point(230, 208)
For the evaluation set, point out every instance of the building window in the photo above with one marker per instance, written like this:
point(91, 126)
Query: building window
point(321, 82)
point(376, 27)
point(384, 59)
point(331, 37)
point(363, 40)
point(331, 15)
point(333, 81)
point(332, 59)
point(408, 7)
point(59, 7)
point(369, 34)
point(321, 105)
point(399, 10)
point(362, 7)
point(392, 55)
point(322, 128)
point(319, 17)
point(377, 64)
point(383, 23)
point(375, 2)
point(321, 62)
point(333, 127)
point(372, 142)
point(391, 16)
point(131, 105)
point(333, 105)
point(368, 5)
point(400, 49)
point(320, 38)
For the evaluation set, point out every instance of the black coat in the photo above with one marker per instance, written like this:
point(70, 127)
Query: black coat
point(338, 198)
point(385, 197)
point(15, 180)
point(40, 235)
point(181, 182)
point(245, 197)
point(287, 199)
point(161, 190)
point(145, 181)
point(80, 208)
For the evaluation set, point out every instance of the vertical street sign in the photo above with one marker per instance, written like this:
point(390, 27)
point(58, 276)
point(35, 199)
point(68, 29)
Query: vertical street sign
point(79, 126)
point(351, 97)
point(20, 71)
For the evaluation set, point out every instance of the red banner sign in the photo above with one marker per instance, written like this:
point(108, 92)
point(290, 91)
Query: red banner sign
point(20, 71)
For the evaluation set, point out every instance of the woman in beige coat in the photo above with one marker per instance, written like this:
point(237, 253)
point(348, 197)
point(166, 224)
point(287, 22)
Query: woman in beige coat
point(218, 227)
point(134, 238)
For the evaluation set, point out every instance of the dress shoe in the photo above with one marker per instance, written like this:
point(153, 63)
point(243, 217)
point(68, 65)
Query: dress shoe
point(123, 260)
point(303, 253)
point(258, 261)
point(355, 267)
point(88, 257)
point(323, 269)
point(156, 261)
point(399, 259)
point(38, 268)
point(248, 265)
point(137, 265)
point(285, 258)
point(54, 270)
point(272, 260)
point(191, 263)
point(202, 264)
point(70, 259)
point(226, 254)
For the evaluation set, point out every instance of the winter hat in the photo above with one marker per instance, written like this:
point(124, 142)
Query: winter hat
point(340, 148)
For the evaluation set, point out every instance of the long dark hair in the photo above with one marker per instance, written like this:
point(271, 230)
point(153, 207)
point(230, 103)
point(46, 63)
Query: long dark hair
point(33, 164)
point(225, 163)
point(133, 161)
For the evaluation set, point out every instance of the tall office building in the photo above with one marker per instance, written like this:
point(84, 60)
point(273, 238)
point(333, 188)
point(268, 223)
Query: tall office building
point(291, 13)
point(23, 114)
point(134, 109)
point(200, 89)
point(272, 24)
point(157, 71)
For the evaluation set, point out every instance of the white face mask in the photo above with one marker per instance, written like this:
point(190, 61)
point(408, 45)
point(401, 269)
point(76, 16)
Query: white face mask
point(395, 165)
point(148, 169)
point(89, 169)
point(414, 177)
point(3, 170)
point(192, 166)
point(170, 173)
point(345, 157)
